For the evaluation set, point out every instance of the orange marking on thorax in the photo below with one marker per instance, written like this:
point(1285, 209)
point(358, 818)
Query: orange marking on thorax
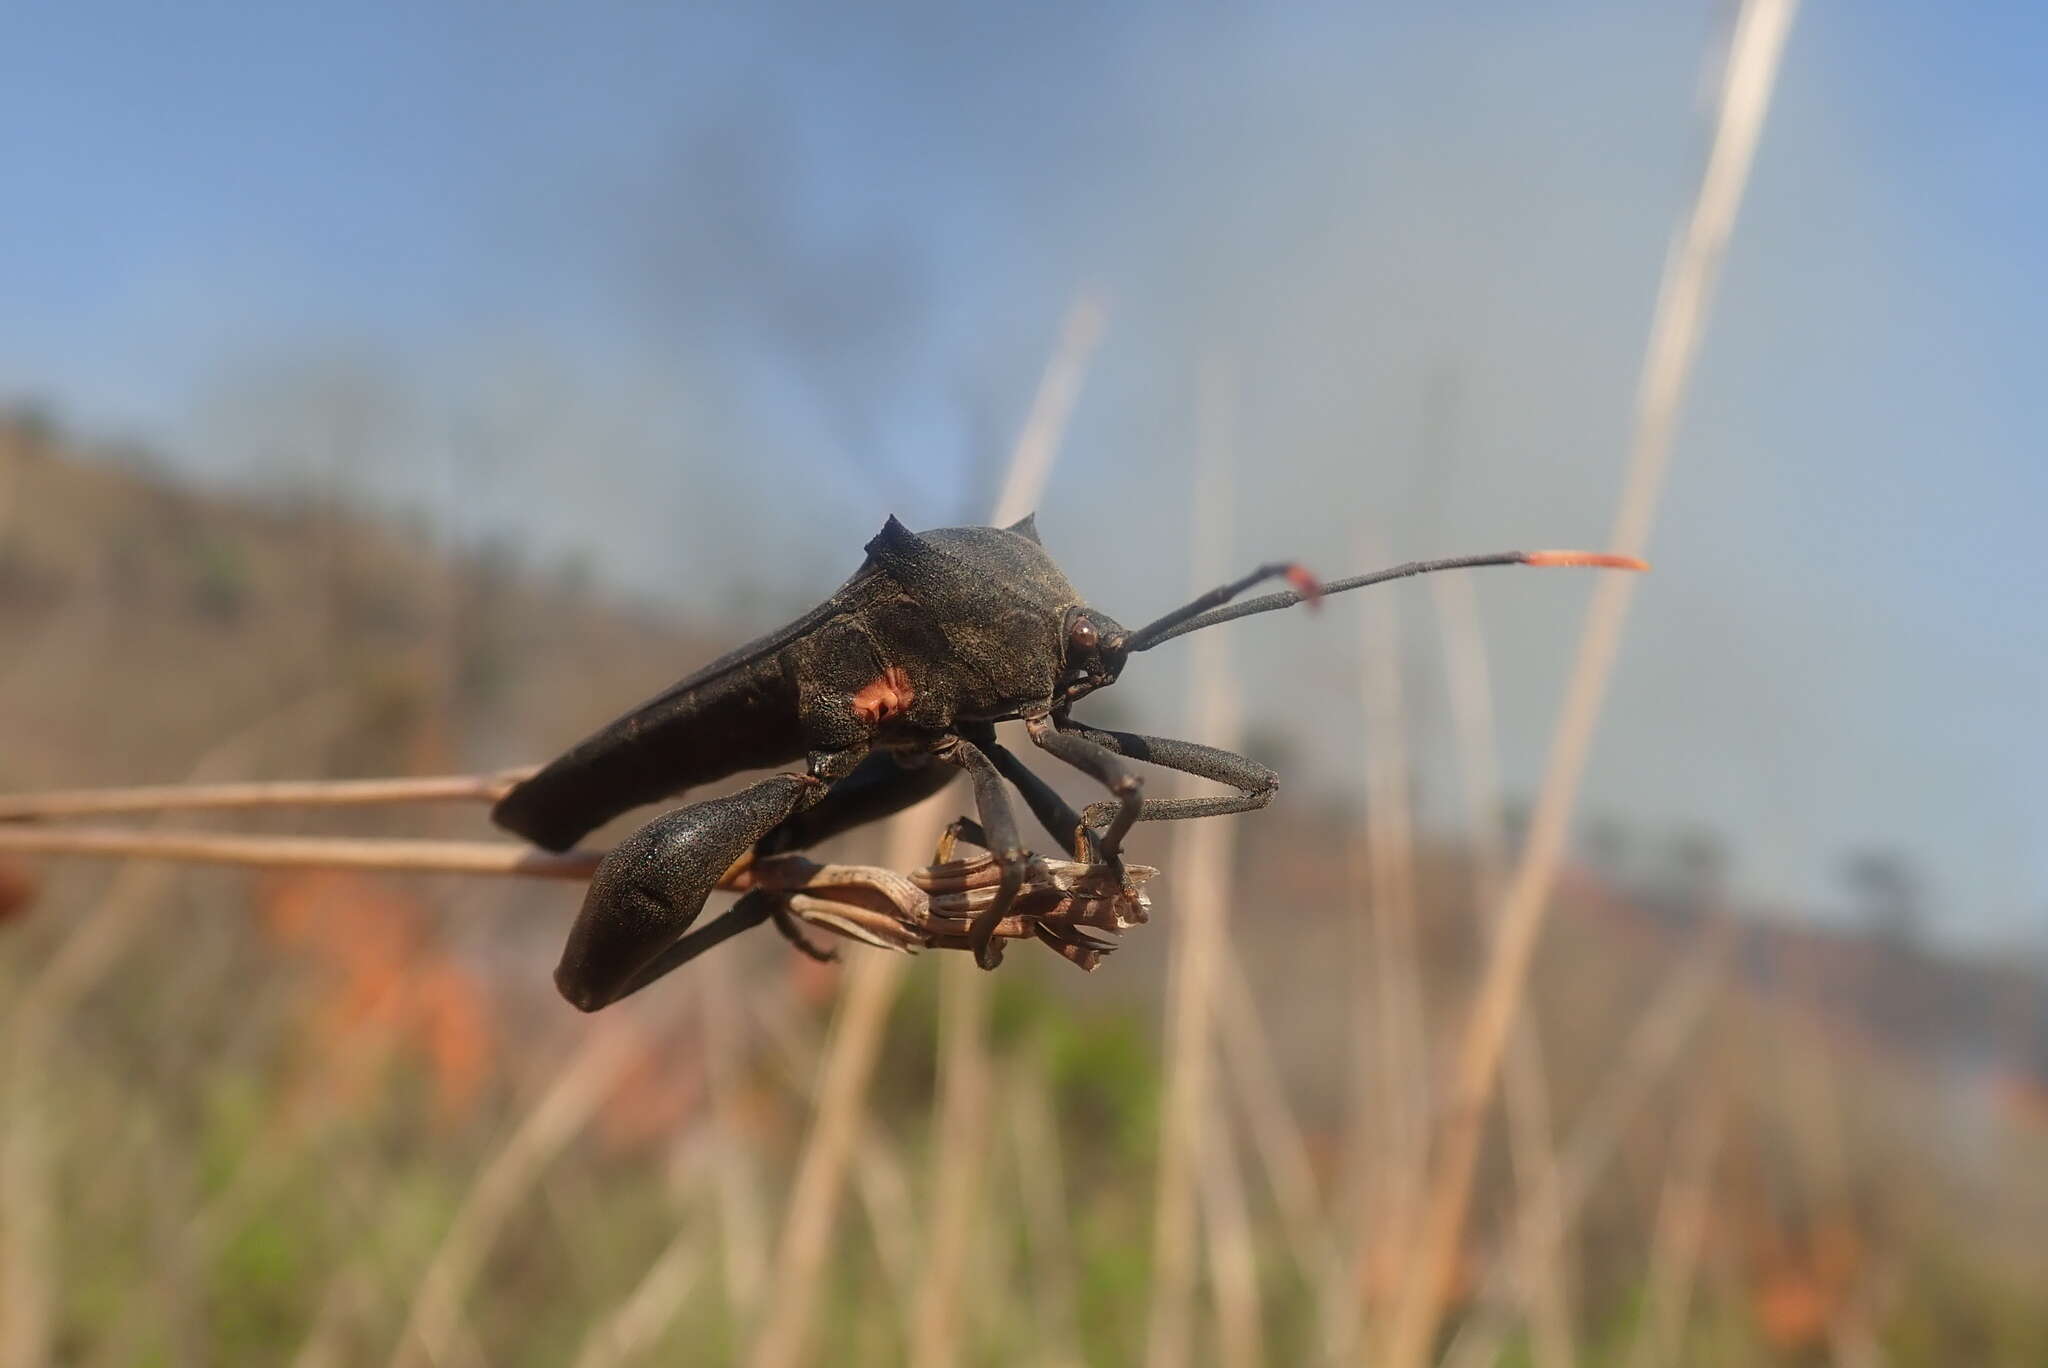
point(889, 696)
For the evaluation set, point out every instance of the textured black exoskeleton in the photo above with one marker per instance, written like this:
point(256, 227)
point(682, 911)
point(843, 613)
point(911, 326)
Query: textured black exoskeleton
point(883, 691)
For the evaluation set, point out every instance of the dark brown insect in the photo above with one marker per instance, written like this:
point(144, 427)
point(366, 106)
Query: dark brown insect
point(883, 692)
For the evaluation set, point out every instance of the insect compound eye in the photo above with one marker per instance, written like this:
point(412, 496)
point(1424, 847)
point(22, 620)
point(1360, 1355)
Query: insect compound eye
point(1082, 635)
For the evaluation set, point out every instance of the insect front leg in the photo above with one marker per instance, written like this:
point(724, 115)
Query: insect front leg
point(1095, 759)
point(999, 825)
point(1256, 785)
point(653, 884)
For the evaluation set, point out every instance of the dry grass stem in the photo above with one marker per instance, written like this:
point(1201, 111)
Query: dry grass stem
point(1676, 1010)
point(1760, 33)
point(109, 802)
point(639, 1322)
point(578, 1087)
point(345, 1300)
point(1677, 1007)
point(1045, 426)
point(1682, 1215)
point(879, 1175)
point(375, 1287)
point(742, 1210)
point(1397, 1151)
point(838, 1121)
point(387, 854)
point(1276, 1133)
point(960, 1114)
point(1542, 1251)
point(1233, 1262)
point(1203, 866)
point(883, 1186)
point(1048, 1237)
point(636, 1326)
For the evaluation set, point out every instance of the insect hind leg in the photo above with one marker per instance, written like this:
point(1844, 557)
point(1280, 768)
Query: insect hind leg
point(749, 912)
point(882, 784)
point(653, 884)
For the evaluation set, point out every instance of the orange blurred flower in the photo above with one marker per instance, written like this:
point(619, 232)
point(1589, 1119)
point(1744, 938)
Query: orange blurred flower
point(1800, 1292)
point(386, 982)
point(653, 1098)
point(18, 889)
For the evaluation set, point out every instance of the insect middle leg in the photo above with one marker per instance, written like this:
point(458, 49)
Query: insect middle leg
point(1052, 811)
point(999, 827)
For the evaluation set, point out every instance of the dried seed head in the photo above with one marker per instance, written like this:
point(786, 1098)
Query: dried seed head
point(1077, 909)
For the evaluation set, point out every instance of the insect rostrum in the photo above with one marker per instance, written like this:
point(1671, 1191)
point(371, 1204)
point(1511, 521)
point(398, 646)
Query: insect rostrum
point(883, 692)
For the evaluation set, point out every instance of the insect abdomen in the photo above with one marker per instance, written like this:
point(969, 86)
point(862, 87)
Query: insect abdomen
point(700, 731)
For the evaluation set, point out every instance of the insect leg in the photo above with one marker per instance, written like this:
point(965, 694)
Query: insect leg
point(749, 912)
point(884, 783)
point(1255, 784)
point(792, 931)
point(999, 824)
point(958, 830)
point(1051, 810)
point(1095, 759)
point(652, 885)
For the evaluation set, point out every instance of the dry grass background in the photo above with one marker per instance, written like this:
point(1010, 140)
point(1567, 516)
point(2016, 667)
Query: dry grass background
point(340, 1117)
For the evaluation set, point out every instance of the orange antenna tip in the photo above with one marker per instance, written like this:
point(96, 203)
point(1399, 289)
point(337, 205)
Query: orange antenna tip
point(1305, 584)
point(1596, 559)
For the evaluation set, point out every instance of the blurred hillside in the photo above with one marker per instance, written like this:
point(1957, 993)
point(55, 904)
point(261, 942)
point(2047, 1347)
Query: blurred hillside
point(252, 1118)
point(112, 571)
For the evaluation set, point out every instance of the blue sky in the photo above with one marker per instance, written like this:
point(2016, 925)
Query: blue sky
point(702, 295)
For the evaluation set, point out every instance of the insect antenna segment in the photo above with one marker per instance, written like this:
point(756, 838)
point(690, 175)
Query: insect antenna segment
point(1215, 607)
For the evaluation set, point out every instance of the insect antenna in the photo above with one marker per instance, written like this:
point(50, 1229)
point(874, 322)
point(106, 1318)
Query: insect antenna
point(1210, 609)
